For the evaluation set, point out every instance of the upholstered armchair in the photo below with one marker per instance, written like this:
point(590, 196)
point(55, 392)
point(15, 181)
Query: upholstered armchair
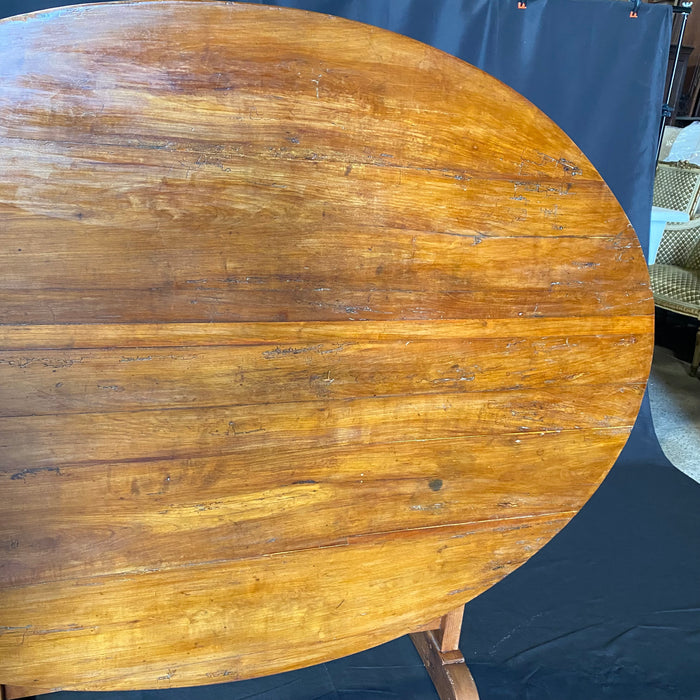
point(675, 276)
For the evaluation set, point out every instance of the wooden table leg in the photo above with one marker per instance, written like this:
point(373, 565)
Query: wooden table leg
point(12, 692)
point(439, 649)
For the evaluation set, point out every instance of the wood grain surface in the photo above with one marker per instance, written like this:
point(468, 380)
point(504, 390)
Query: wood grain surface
point(309, 334)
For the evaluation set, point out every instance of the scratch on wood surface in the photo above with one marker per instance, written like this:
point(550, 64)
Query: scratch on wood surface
point(232, 430)
point(457, 591)
point(225, 673)
point(33, 472)
point(529, 186)
point(432, 507)
point(339, 347)
point(316, 82)
point(462, 375)
point(51, 363)
point(58, 630)
point(321, 384)
point(566, 165)
point(14, 629)
point(281, 352)
point(569, 167)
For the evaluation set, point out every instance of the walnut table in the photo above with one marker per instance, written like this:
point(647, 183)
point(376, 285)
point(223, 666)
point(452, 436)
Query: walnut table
point(310, 333)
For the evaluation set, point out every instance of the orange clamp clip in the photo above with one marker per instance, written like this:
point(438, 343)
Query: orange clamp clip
point(522, 4)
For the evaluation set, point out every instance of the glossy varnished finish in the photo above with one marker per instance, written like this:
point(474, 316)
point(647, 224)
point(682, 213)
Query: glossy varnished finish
point(310, 334)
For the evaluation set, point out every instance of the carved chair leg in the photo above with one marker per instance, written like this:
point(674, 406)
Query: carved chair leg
point(696, 356)
point(438, 647)
point(12, 692)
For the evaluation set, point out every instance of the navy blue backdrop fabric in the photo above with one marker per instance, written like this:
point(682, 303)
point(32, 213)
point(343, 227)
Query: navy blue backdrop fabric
point(610, 609)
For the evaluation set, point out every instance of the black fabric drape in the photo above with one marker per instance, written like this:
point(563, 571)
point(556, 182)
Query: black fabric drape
point(610, 609)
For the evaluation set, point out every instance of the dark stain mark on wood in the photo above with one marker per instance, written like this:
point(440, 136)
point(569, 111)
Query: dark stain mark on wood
point(435, 484)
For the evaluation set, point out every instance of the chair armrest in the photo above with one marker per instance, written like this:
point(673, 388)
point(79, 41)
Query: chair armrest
point(659, 218)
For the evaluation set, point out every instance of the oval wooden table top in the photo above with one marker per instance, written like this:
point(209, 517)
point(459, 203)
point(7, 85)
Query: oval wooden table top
point(310, 333)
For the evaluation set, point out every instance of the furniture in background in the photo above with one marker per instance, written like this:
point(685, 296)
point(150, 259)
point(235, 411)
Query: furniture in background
point(675, 277)
point(675, 228)
point(660, 217)
point(301, 347)
point(675, 199)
